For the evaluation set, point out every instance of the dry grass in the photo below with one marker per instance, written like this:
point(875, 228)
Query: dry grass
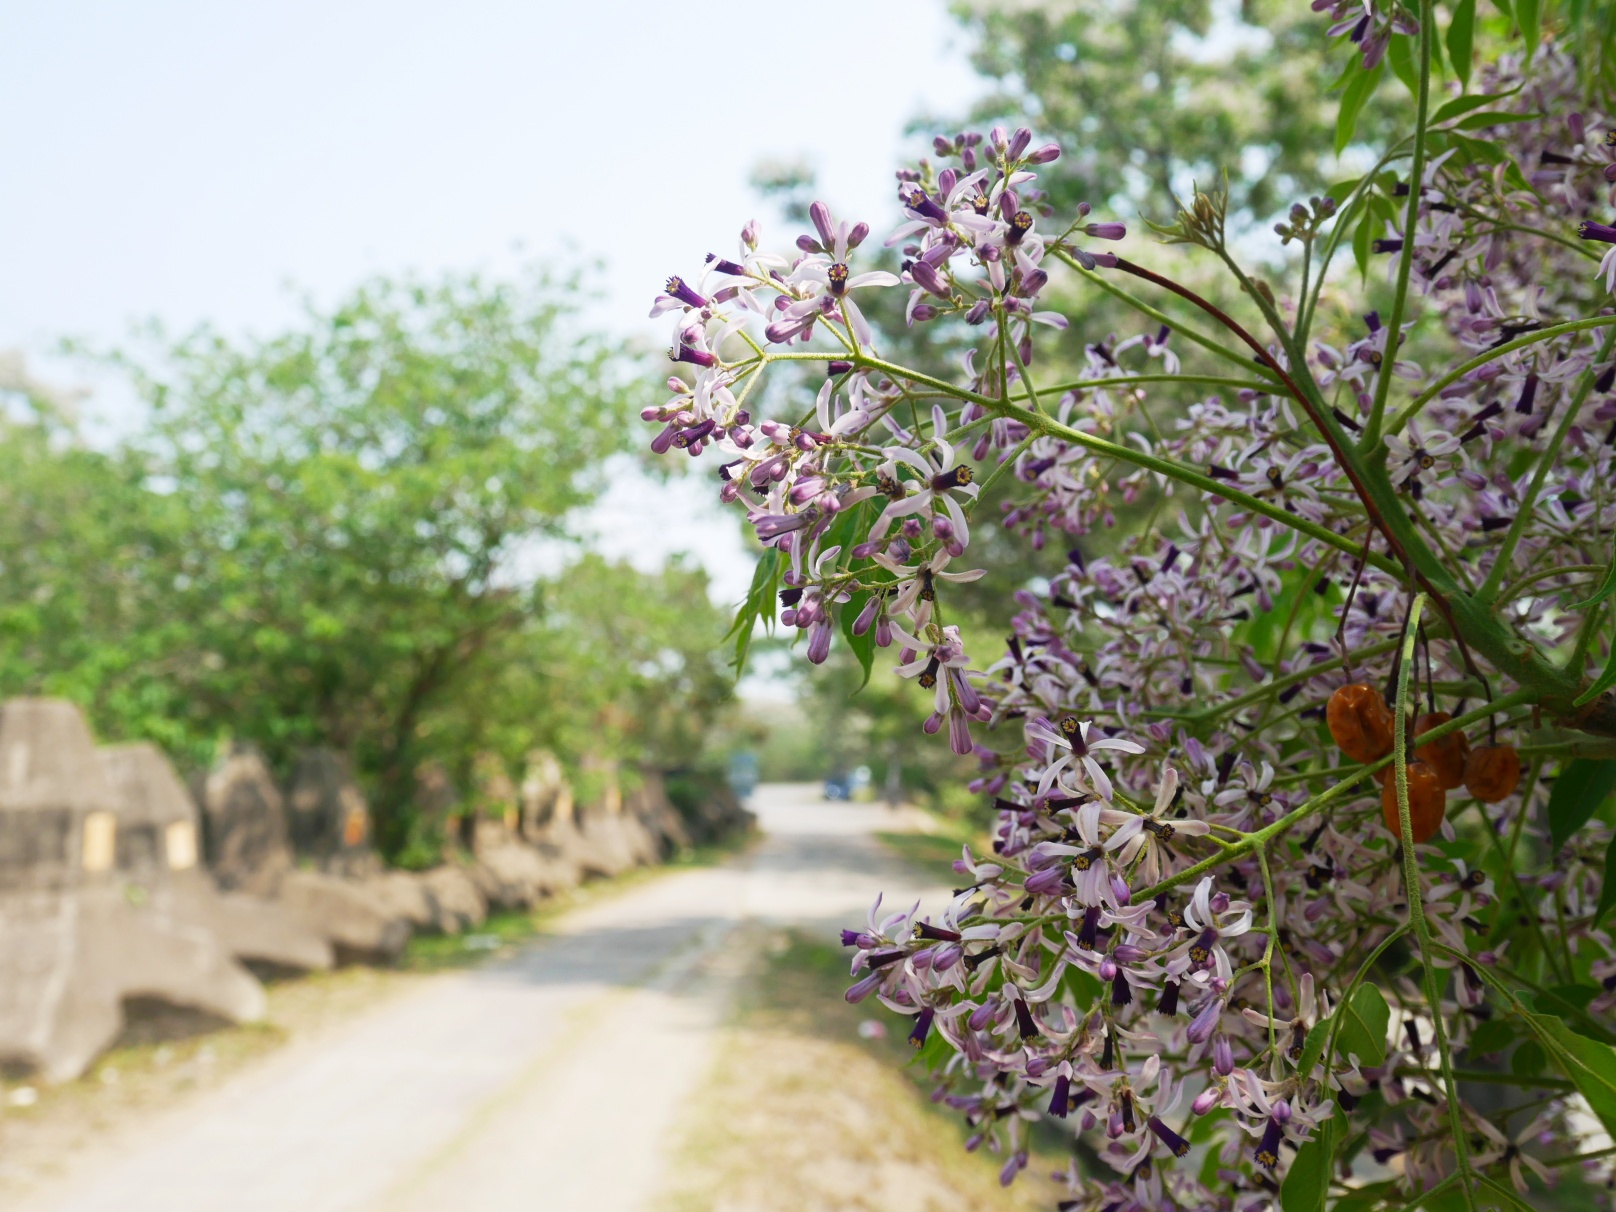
point(801, 1114)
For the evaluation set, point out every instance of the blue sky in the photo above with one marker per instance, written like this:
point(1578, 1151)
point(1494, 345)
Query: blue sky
point(208, 162)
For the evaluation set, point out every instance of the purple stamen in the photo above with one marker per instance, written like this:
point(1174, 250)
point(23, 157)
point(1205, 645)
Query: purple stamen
point(679, 290)
point(1168, 1137)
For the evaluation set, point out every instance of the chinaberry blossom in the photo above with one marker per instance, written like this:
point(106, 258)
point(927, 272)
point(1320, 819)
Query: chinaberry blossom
point(1188, 882)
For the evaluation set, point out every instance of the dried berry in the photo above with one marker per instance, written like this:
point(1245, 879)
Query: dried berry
point(1446, 755)
point(1492, 772)
point(1360, 722)
point(1427, 802)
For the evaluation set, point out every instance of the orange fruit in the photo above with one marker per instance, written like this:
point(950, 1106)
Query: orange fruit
point(1492, 772)
point(1446, 755)
point(1427, 802)
point(1360, 722)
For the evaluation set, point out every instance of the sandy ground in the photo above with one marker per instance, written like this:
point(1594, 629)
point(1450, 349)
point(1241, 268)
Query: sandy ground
point(595, 1068)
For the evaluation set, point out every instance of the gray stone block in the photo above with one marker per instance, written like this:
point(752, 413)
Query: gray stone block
point(158, 852)
point(73, 946)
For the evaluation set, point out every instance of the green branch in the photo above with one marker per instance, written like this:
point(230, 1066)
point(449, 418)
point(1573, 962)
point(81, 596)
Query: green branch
point(1412, 409)
point(1411, 868)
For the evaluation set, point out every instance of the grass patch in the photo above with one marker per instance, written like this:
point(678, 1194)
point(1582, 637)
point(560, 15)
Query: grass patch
point(929, 852)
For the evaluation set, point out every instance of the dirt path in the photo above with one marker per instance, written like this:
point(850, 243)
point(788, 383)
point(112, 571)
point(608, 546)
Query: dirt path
point(555, 1079)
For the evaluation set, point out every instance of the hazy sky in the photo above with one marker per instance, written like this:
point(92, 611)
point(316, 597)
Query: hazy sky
point(195, 161)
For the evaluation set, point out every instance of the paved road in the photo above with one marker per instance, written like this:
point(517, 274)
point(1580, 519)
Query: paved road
point(550, 1081)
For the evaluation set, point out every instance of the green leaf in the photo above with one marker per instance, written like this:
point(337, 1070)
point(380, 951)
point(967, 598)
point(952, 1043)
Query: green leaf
point(1589, 1064)
point(1342, 190)
point(934, 1053)
point(1313, 1049)
point(1492, 1036)
point(1461, 39)
point(1307, 1185)
point(1527, 1060)
point(862, 646)
point(1358, 92)
point(1363, 237)
point(759, 604)
point(1529, 16)
point(1460, 106)
point(1606, 588)
point(1084, 988)
point(1602, 683)
point(1363, 1026)
point(1560, 1000)
point(1492, 117)
point(1607, 893)
point(1400, 58)
point(1583, 785)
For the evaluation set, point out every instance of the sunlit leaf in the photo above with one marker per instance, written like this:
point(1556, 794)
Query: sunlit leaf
point(1359, 89)
point(1529, 16)
point(1461, 39)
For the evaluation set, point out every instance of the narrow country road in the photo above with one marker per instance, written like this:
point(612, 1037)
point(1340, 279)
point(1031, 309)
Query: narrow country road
point(551, 1080)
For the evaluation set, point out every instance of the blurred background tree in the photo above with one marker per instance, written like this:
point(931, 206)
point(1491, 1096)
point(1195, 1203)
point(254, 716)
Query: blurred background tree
point(331, 537)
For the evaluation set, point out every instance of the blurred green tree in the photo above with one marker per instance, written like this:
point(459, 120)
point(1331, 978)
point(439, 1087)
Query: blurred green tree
point(353, 500)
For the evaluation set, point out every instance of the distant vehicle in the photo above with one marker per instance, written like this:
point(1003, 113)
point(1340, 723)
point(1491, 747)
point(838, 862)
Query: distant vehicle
point(743, 773)
point(848, 786)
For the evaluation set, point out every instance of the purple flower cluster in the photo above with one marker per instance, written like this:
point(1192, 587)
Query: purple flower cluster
point(1187, 880)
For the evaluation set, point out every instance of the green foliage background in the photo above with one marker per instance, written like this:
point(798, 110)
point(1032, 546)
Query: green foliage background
point(322, 538)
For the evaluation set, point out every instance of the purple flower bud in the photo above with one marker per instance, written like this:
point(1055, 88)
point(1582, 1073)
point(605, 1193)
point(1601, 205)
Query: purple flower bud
point(959, 733)
point(820, 214)
point(1207, 1099)
point(1046, 154)
point(1205, 1021)
point(927, 278)
point(862, 989)
point(1106, 231)
point(860, 233)
point(1222, 1056)
point(1019, 142)
point(1046, 882)
point(866, 616)
point(819, 642)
